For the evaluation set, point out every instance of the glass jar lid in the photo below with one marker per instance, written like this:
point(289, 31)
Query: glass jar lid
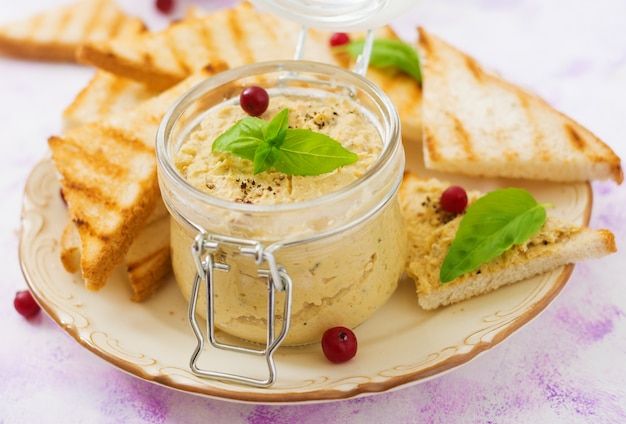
point(333, 15)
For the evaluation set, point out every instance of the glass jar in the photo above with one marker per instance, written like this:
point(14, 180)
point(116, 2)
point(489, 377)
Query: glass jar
point(333, 15)
point(343, 252)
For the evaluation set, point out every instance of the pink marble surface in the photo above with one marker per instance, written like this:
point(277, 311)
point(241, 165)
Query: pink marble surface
point(566, 366)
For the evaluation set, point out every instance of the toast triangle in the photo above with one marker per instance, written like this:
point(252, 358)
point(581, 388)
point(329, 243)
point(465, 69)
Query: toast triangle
point(236, 36)
point(109, 179)
point(56, 34)
point(104, 95)
point(477, 124)
point(147, 261)
point(431, 231)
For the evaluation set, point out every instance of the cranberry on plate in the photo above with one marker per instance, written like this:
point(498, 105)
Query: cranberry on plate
point(25, 304)
point(339, 344)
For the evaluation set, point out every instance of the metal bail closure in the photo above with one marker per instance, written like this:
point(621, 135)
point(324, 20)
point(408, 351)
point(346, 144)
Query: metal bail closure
point(277, 279)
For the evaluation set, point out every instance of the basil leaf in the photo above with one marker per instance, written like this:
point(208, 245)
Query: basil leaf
point(277, 128)
point(491, 226)
point(305, 152)
point(291, 151)
point(265, 156)
point(389, 53)
point(242, 139)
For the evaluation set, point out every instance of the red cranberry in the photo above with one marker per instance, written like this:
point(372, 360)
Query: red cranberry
point(254, 100)
point(25, 304)
point(165, 6)
point(454, 199)
point(339, 344)
point(339, 39)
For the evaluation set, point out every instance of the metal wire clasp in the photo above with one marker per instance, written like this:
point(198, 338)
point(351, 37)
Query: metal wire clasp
point(202, 250)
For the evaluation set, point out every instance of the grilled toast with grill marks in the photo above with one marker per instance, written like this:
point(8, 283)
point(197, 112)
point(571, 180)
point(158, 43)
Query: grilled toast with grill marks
point(104, 95)
point(236, 36)
point(431, 230)
point(109, 179)
point(55, 35)
point(148, 259)
point(147, 263)
point(477, 124)
point(239, 36)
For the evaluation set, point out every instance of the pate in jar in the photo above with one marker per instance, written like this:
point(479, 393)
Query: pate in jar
point(338, 236)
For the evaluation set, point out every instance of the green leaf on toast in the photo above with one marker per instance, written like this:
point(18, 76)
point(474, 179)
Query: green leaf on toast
point(305, 152)
point(389, 53)
point(491, 226)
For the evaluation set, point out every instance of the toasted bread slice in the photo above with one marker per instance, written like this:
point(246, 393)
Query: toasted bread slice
point(70, 247)
point(147, 261)
point(238, 36)
point(431, 231)
point(406, 95)
point(110, 193)
point(108, 177)
point(55, 35)
point(106, 94)
point(477, 124)
point(147, 264)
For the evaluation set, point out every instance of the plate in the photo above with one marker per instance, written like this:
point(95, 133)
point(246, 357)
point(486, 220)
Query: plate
point(400, 345)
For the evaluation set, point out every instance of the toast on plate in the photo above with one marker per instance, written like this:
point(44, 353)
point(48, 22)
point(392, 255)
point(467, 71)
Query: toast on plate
point(475, 123)
point(147, 261)
point(104, 95)
point(148, 258)
point(56, 34)
point(237, 36)
point(431, 230)
point(109, 179)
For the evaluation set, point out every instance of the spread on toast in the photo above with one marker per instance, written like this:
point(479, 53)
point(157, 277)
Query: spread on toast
point(431, 230)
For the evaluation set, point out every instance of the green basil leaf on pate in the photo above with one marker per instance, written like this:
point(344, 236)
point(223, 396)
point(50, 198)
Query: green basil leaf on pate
point(242, 139)
point(275, 131)
point(491, 226)
point(305, 152)
point(265, 156)
point(388, 53)
point(289, 150)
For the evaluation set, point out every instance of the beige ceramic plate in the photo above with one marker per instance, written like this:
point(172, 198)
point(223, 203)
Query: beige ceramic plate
point(400, 345)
